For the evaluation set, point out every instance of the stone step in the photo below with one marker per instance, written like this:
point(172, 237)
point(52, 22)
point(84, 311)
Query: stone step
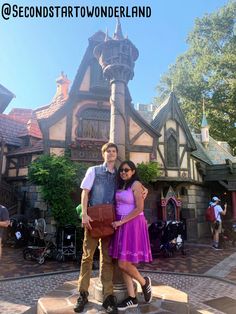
point(166, 299)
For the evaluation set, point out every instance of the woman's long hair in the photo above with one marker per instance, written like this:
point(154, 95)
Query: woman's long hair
point(121, 184)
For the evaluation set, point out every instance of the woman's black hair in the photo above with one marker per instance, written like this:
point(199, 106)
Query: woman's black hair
point(121, 182)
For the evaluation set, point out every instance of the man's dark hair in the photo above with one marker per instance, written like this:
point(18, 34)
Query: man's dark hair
point(108, 145)
point(121, 182)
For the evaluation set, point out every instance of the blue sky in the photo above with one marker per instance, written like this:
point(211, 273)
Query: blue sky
point(34, 51)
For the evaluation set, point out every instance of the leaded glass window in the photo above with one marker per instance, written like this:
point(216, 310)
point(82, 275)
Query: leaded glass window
point(94, 124)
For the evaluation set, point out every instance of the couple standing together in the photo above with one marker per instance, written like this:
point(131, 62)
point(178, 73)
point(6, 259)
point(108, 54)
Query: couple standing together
point(130, 245)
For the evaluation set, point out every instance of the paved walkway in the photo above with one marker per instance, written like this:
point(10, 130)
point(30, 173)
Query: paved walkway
point(19, 292)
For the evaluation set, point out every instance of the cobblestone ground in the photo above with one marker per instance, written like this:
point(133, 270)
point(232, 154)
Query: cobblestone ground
point(19, 295)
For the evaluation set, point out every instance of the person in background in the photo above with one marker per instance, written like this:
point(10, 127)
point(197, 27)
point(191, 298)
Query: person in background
point(4, 223)
point(216, 227)
point(130, 243)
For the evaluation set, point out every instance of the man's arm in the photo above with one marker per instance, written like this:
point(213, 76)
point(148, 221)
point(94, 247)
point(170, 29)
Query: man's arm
point(224, 210)
point(84, 202)
point(5, 223)
point(144, 192)
point(86, 186)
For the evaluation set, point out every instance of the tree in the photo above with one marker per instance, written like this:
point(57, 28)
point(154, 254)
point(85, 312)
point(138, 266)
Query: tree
point(56, 175)
point(208, 69)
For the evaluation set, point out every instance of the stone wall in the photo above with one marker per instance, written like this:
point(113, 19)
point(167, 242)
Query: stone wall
point(193, 210)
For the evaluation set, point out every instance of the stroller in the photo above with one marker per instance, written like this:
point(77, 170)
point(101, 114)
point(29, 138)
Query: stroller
point(173, 238)
point(155, 231)
point(18, 232)
point(66, 243)
point(166, 238)
point(41, 244)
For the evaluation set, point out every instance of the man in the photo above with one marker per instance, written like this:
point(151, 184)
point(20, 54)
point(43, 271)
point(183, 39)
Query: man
point(98, 187)
point(216, 227)
point(4, 223)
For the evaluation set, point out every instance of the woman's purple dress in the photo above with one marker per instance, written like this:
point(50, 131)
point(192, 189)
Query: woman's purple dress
point(130, 241)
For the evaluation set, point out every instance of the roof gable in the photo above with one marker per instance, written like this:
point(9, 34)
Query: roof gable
point(98, 82)
point(170, 109)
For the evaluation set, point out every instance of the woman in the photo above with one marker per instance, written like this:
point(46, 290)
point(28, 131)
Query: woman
point(130, 244)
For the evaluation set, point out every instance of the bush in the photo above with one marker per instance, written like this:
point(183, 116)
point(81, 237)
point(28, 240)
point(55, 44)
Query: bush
point(56, 175)
point(148, 172)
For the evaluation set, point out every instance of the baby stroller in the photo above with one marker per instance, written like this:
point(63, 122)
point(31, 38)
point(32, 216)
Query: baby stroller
point(155, 231)
point(18, 232)
point(166, 238)
point(66, 242)
point(41, 244)
point(173, 238)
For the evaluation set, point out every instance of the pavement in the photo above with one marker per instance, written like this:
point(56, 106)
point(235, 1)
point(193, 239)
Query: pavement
point(206, 275)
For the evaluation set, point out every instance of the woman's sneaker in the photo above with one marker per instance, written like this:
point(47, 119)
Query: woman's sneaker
point(127, 304)
point(147, 290)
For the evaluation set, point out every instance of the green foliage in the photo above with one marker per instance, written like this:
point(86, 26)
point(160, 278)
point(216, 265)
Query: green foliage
point(57, 177)
point(81, 169)
point(148, 172)
point(208, 69)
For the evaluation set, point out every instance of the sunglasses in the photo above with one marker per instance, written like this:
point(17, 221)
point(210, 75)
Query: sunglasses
point(125, 170)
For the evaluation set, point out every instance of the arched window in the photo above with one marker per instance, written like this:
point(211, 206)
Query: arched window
point(172, 150)
point(94, 124)
point(171, 210)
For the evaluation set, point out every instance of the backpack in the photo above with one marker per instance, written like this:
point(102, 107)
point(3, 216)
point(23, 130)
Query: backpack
point(210, 214)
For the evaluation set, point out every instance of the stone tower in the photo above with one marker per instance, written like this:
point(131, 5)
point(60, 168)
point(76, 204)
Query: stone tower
point(117, 56)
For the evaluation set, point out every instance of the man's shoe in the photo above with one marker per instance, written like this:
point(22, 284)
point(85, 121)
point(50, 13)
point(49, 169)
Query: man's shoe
point(127, 304)
point(110, 304)
point(81, 301)
point(147, 290)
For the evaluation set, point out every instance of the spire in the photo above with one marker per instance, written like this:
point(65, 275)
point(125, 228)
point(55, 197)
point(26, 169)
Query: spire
point(204, 120)
point(106, 36)
point(118, 35)
point(204, 127)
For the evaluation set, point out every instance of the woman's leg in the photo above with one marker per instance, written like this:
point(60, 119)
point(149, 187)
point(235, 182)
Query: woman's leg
point(132, 271)
point(129, 284)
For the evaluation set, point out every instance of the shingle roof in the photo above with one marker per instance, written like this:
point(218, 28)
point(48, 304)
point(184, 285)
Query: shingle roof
point(48, 110)
point(28, 117)
point(10, 129)
point(36, 147)
point(200, 153)
point(214, 154)
point(21, 114)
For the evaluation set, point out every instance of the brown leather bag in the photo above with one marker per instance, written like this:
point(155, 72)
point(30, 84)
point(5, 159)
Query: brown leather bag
point(102, 215)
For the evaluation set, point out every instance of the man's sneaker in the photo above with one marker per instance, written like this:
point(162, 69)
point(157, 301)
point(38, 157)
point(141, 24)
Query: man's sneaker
point(147, 290)
point(127, 304)
point(110, 304)
point(82, 300)
point(216, 248)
